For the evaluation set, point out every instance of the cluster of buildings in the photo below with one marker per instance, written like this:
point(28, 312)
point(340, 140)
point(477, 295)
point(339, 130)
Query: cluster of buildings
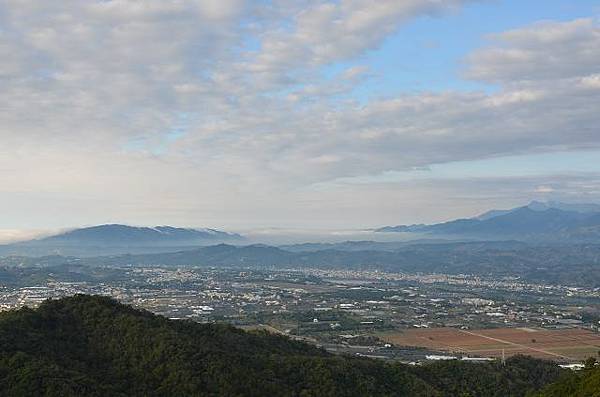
point(341, 310)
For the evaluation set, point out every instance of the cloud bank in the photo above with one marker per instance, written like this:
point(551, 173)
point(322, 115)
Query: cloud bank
point(221, 113)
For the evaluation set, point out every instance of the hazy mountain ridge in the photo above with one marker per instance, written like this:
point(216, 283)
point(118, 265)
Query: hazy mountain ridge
point(362, 245)
point(569, 264)
point(127, 235)
point(535, 222)
point(574, 264)
point(542, 206)
point(118, 239)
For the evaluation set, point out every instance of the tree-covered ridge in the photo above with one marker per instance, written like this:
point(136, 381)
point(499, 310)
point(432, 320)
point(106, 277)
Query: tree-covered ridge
point(95, 346)
point(584, 383)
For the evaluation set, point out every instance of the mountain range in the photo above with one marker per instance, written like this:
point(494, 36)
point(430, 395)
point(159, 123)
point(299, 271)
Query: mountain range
point(129, 235)
point(537, 222)
point(569, 264)
point(117, 239)
point(548, 222)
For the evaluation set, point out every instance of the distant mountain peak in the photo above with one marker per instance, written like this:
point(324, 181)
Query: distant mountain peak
point(118, 238)
point(575, 207)
point(137, 234)
point(536, 205)
point(538, 220)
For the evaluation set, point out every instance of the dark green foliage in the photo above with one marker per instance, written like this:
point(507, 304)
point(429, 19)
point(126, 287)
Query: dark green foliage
point(518, 376)
point(94, 346)
point(584, 383)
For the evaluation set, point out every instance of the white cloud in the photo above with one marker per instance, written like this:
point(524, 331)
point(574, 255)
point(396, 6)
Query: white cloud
point(544, 51)
point(329, 31)
point(204, 112)
point(544, 189)
point(8, 236)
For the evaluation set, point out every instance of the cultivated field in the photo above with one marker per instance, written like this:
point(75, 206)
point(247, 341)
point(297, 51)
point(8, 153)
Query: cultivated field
point(567, 345)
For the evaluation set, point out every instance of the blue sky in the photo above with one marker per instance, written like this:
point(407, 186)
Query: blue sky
point(318, 114)
point(428, 53)
point(556, 163)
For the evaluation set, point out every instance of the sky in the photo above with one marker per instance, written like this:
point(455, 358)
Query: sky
point(307, 114)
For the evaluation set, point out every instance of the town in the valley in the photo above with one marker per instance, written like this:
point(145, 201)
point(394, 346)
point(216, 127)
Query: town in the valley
point(398, 316)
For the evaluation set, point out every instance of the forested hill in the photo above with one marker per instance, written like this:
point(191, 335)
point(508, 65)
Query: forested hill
point(95, 346)
point(584, 383)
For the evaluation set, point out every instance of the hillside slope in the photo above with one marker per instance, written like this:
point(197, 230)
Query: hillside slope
point(584, 383)
point(94, 346)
